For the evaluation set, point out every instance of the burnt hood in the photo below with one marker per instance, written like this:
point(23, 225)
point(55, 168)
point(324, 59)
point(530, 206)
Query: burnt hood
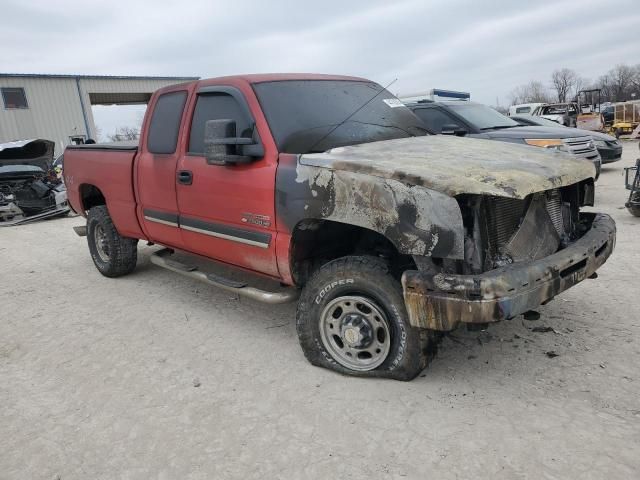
point(34, 152)
point(455, 165)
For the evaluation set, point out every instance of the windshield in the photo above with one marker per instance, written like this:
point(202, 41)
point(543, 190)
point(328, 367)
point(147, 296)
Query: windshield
point(554, 110)
point(305, 115)
point(544, 122)
point(482, 117)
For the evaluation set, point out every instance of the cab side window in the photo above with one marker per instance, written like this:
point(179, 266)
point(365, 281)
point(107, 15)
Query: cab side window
point(434, 118)
point(216, 106)
point(165, 123)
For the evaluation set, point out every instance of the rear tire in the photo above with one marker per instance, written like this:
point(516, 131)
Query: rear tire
point(351, 318)
point(112, 254)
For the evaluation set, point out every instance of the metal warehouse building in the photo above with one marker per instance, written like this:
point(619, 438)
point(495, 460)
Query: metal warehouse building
point(58, 107)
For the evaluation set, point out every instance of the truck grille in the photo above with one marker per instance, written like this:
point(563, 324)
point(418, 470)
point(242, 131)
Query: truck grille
point(582, 147)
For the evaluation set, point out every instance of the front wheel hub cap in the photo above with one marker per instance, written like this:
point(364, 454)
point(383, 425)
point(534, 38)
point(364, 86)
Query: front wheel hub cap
point(101, 243)
point(356, 333)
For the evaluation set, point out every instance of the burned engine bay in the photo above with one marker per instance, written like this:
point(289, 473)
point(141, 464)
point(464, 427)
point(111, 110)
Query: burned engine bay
point(502, 231)
point(29, 187)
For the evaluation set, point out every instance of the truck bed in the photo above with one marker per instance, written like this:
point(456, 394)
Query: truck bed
point(109, 167)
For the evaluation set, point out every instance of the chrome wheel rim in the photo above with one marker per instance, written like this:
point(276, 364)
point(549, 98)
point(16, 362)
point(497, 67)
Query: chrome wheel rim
point(355, 332)
point(100, 240)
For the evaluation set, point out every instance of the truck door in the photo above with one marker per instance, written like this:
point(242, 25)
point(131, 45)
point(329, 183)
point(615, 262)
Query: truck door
point(227, 211)
point(155, 174)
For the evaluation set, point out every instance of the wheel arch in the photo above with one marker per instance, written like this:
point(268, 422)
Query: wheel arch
point(123, 213)
point(90, 196)
point(415, 219)
point(315, 242)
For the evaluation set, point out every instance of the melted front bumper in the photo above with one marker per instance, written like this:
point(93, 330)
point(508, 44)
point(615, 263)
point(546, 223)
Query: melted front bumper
point(443, 301)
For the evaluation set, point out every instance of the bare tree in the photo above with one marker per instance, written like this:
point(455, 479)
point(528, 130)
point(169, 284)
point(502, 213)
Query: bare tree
point(604, 84)
point(634, 88)
point(563, 82)
point(621, 81)
point(581, 83)
point(619, 84)
point(635, 80)
point(532, 92)
point(124, 133)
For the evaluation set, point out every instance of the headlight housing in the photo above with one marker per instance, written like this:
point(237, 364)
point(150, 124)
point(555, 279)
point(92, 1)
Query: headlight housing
point(554, 143)
point(600, 143)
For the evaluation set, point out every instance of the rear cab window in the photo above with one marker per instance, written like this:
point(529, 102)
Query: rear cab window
point(164, 126)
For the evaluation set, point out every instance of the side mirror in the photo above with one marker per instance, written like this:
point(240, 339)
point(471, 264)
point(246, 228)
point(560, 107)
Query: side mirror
point(223, 147)
point(453, 129)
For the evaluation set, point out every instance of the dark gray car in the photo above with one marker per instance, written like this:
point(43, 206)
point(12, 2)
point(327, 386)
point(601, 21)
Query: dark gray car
point(609, 148)
point(472, 119)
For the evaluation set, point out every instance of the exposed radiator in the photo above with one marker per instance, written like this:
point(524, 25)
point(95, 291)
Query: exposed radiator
point(554, 209)
point(505, 214)
point(503, 219)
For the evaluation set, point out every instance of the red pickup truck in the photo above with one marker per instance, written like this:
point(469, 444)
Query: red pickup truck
point(329, 184)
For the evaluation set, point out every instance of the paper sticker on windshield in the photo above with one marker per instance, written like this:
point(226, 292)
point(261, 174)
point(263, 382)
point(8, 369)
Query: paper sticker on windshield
point(393, 102)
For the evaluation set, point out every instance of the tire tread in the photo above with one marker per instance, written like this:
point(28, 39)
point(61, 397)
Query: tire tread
point(124, 250)
point(419, 346)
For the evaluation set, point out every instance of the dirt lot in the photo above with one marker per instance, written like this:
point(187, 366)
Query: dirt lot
point(156, 376)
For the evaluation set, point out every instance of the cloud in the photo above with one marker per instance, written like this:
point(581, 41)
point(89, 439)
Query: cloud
point(486, 48)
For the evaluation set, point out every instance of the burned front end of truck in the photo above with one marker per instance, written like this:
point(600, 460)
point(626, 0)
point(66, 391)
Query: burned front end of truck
point(493, 229)
point(519, 253)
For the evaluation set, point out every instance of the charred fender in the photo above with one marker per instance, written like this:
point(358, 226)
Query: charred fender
point(417, 220)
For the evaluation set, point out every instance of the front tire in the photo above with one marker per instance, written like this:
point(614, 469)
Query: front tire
point(634, 208)
point(351, 318)
point(112, 254)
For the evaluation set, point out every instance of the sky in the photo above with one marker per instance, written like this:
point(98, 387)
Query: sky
point(483, 47)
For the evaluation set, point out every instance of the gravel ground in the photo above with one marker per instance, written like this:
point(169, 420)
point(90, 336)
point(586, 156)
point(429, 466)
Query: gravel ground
point(157, 376)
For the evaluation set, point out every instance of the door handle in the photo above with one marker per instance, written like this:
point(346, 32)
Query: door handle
point(185, 177)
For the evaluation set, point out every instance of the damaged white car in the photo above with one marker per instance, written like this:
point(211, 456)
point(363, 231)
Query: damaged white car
point(29, 187)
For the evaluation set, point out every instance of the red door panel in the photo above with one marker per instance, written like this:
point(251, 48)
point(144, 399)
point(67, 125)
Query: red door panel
point(228, 213)
point(155, 174)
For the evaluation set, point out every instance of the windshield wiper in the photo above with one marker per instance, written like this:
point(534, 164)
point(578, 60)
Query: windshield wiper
point(499, 127)
point(392, 126)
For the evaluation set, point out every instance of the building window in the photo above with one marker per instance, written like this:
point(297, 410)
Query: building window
point(14, 98)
